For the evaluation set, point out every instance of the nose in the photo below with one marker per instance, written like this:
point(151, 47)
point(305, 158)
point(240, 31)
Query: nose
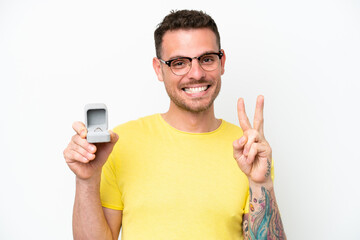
point(196, 71)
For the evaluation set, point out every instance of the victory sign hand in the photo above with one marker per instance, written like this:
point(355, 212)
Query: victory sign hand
point(252, 152)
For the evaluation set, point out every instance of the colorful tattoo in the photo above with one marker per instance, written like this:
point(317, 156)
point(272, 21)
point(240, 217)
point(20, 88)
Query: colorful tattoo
point(246, 226)
point(252, 207)
point(264, 219)
point(250, 194)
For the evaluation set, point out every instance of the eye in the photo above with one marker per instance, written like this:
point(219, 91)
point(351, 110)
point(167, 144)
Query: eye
point(179, 63)
point(207, 59)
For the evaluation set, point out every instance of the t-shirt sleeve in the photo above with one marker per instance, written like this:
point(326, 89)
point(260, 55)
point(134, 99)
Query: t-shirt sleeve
point(110, 193)
point(246, 210)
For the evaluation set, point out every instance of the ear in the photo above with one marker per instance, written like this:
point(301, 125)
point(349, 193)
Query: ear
point(157, 68)
point(223, 59)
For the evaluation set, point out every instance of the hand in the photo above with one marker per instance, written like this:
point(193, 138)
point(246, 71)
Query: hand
point(252, 152)
point(80, 154)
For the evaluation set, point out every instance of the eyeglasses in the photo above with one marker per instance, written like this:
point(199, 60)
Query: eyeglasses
point(182, 65)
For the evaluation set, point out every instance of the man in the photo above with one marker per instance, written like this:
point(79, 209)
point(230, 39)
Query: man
point(173, 175)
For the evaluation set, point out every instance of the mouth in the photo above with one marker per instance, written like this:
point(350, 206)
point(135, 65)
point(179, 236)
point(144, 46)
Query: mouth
point(194, 90)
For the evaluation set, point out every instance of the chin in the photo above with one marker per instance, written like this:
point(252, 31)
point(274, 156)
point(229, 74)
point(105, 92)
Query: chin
point(194, 107)
point(197, 104)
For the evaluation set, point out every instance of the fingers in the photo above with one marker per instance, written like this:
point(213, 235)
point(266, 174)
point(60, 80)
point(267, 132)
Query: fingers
point(258, 117)
point(74, 156)
point(254, 146)
point(79, 150)
point(80, 129)
point(89, 147)
point(243, 119)
point(255, 149)
point(239, 144)
point(84, 148)
point(240, 158)
point(253, 136)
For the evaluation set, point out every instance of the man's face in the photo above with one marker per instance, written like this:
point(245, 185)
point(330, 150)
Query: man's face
point(196, 90)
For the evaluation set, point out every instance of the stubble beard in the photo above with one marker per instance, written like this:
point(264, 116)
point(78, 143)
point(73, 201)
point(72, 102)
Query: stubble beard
point(195, 106)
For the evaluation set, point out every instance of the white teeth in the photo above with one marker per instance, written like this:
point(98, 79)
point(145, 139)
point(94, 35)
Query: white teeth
point(195, 90)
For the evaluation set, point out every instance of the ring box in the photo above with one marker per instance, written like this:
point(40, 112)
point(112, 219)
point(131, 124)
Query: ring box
point(96, 122)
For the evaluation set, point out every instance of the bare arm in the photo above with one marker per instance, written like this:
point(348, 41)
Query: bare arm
point(253, 155)
point(114, 220)
point(90, 220)
point(263, 221)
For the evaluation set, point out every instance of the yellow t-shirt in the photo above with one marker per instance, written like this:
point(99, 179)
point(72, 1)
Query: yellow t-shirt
point(175, 185)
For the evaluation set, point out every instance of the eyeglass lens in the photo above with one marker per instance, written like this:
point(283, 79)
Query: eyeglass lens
point(208, 62)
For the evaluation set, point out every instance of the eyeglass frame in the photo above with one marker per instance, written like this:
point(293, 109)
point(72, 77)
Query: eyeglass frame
point(220, 54)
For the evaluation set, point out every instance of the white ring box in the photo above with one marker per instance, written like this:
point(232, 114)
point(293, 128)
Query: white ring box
point(96, 122)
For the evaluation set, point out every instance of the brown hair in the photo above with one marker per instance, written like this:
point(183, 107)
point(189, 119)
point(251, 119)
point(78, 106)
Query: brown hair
point(184, 19)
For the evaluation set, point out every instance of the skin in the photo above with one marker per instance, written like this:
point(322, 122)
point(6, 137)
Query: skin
point(253, 154)
point(190, 112)
point(90, 219)
point(187, 112)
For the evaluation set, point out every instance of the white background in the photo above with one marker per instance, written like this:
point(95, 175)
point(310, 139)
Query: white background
point(304, 56)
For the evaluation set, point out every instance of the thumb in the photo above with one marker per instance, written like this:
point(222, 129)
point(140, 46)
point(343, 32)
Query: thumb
point(240, 143)
point(106, 148)
point(113, 137)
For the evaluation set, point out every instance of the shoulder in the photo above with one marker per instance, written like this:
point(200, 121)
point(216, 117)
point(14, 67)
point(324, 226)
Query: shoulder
point(134, 132)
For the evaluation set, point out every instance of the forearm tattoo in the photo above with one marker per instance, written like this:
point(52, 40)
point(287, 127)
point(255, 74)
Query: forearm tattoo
point(264, 221)
point(268, 170)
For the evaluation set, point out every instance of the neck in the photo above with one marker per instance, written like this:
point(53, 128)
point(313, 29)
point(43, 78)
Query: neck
point(195, 122)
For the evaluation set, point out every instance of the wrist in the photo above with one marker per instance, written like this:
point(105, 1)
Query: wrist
point(269, 184)
point(91, 181)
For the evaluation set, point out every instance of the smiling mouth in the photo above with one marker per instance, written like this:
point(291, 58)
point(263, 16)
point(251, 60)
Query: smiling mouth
point(196, 89)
